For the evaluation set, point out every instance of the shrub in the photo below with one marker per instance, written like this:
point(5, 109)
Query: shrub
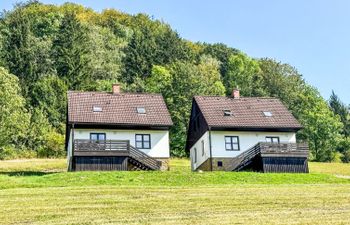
point(346, 156)
point(53, 146)
point(344, 148)
point(7, 152)
point(11, 152)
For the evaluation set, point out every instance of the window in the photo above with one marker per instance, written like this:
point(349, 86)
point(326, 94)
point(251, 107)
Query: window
point(231, 143)
point(143, 141)
point(203, 150)
point(267, 114)
point(97, 137)
point(219, 163)
point(272, 139)
point(227, 112)
point(195, 155)
point(97, 109)
point(141, 110)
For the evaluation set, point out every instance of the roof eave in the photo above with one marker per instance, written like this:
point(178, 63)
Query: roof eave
point(246, 128)
point(121, 125)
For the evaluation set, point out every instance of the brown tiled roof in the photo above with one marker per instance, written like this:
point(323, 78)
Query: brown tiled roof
point(117, 108)
point(247, 113)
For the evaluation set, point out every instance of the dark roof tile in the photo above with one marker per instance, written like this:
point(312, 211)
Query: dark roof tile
point(247, 112)
point(117, 108)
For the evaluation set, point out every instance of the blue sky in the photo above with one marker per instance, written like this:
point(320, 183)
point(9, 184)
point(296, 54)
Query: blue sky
point(312, 35)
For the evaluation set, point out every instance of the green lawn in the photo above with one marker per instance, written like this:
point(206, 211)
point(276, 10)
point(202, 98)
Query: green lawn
point(39, 191)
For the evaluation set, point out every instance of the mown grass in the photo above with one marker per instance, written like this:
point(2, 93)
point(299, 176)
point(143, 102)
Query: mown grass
point(41, 192)
point(52, 173)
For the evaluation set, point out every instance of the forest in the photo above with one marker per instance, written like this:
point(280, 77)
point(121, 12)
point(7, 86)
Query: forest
point(46, 50)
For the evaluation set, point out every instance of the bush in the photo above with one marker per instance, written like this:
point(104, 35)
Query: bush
point(344, 148)
point(25, 154)
point(7, 152)
point(346, 156)
point(10, 152)
point(53, 146)
point(336, 157)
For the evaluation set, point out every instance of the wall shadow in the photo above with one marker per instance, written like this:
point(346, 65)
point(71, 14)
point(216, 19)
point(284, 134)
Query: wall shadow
point(26, 173)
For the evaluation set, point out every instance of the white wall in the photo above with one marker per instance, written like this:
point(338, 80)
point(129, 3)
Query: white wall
point(246, 140)
point(198, 146)
point(159, 139)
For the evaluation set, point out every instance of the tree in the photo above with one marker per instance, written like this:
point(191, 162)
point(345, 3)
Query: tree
point(244, 73)
point(321, 128)
point(178, 83)
point(282, 81)
point(24, 54)
point(42, 137)
point(71, 50)
point(210, 77)
point(160, 81)
point(339, 108)
point(14, 118)
point(152, 43)
point(49, 94)
point(222, 53)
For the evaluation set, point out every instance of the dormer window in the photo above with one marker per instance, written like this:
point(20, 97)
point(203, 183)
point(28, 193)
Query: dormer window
point(227, 112)
point(97, 109)
point(141, 110)
point(267, 113)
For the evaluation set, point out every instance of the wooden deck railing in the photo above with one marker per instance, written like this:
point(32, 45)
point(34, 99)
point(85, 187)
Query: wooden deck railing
point(288, 149)
point(85, 147)
point(265, 149)
point(107, 145)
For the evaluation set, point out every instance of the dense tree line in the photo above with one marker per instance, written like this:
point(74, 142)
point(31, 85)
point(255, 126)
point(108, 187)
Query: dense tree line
point(47, 50)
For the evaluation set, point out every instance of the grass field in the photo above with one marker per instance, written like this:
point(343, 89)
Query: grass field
point(41, 192)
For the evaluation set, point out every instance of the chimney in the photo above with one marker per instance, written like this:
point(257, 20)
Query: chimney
point(235, 93)
point(116, 89)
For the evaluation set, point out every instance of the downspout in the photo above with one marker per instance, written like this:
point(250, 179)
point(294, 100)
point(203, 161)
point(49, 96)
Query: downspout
point(210, 152)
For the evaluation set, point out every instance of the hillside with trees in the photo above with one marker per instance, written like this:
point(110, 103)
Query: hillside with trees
point(46, 50)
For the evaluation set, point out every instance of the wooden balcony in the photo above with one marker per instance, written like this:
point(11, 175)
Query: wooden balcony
point(286, 157)
point(114, 148)
point(85, 147)
point(284, 149)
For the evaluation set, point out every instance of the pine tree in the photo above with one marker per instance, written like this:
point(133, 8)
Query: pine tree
point(339, 108)
point(71, 51)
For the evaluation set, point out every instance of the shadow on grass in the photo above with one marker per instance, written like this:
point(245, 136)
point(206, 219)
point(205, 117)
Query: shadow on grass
point(26, 173)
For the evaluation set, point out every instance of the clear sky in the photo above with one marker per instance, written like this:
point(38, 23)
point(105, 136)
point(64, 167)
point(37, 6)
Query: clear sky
point(311, 35)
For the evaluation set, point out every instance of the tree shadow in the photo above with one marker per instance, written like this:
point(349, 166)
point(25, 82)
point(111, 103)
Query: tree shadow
point(26, 173)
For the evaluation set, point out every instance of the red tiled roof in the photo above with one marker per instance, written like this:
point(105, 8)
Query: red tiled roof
point(117, 108)
point(247, 112)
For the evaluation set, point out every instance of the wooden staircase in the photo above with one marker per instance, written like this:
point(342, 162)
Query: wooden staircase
point(142, 161)
point(245, 159)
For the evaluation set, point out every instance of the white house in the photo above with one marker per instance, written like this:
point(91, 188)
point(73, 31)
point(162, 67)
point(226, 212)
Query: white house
point(117, 131)
point(233, 133)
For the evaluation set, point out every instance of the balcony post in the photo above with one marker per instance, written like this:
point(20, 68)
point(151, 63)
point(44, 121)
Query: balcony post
point(73, 141)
